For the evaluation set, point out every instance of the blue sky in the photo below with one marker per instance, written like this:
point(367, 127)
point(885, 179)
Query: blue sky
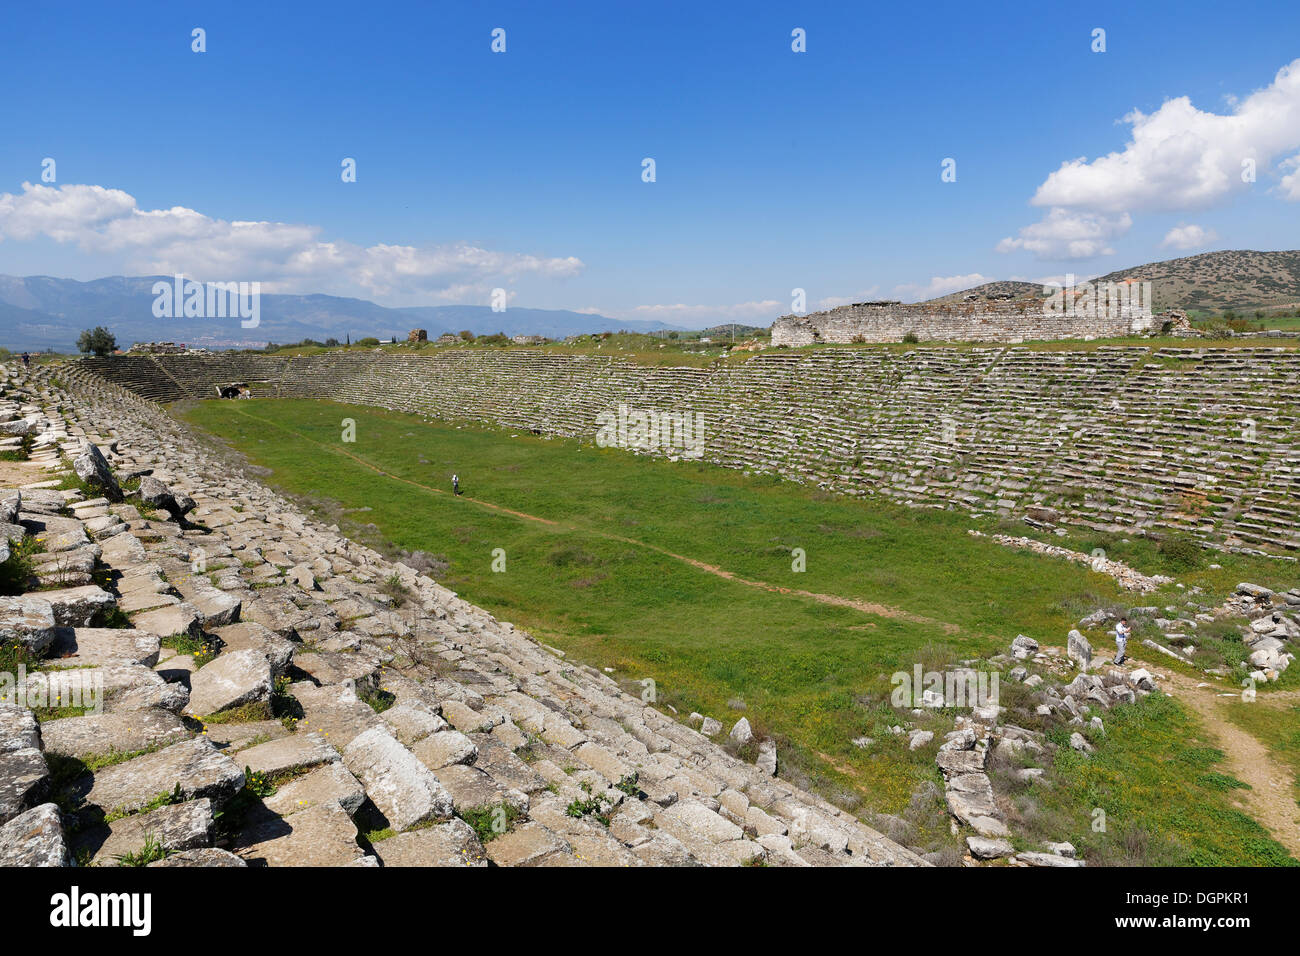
point(523, 170)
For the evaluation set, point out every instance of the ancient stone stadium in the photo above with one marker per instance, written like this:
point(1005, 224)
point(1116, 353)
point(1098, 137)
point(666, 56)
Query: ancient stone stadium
point(213, 672)
point(123, 600)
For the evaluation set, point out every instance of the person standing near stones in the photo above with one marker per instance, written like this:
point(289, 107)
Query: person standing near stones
point(1122, 632)
point(455, 484)
point(27, 360)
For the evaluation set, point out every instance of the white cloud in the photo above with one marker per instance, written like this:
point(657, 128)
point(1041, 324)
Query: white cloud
point(1290, 185)
point(1177, 158)
point(63, 214)
point(1190, 236)
point(939, 285)
point(1063, 234)
point(284, 257)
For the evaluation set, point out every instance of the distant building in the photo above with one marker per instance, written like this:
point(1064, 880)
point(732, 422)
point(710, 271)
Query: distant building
point(529, 339)
point(417, 335)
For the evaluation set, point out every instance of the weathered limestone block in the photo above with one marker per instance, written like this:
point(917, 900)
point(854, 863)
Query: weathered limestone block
point(182, 826)
point(89, 646)
point(970, 800)
point(247, 635)
point(294, 752)
point(153, 492)
point(412, 720)
point(1079, 650)
point(448, 844)
point(331, 783)
point(24, 781)
point(34, 838)
point(27, 620)
point(18, 728)
point(403, 789)
point(322, 835)
point(195, 765)
point(92, 468)
point(182, 618)
point(231, 680)
point(203, 856)
point(528, 845)
point(448, 747)
point(99, 734)
point(335, 711)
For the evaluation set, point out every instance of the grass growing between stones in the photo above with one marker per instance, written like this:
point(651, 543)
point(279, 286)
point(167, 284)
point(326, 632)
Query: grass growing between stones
point(600, 576)
point(491, 820)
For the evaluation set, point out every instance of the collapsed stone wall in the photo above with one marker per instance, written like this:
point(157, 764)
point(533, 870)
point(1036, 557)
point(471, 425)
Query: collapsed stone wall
point(270, 688)
point(1010, 321)
point(1122, 439)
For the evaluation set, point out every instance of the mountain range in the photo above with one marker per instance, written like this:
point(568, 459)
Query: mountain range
point(47, 313)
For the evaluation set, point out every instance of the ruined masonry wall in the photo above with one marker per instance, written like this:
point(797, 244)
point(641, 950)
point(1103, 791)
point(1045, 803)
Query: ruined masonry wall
point(1009, 322)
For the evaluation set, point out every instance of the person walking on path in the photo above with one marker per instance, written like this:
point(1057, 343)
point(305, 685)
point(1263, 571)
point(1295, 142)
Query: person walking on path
point(455, 484)
point(1122, 632)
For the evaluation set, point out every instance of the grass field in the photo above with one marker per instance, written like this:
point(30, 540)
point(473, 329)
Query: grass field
point(599, 548)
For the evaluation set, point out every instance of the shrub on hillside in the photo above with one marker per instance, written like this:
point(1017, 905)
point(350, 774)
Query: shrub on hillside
point(1181, 552)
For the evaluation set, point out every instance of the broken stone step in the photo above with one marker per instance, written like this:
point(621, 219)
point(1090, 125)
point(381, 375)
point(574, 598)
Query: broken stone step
point(231, 680)
point(89, 646)
point(34, 838)
point(197, 767)
point(292, 753)
point(447, 844)
point(182, 826)
point(323, 835)
point(405, 791)
point(96, 735)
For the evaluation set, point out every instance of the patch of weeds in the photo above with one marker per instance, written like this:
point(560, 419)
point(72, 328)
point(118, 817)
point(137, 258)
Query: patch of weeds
point(395, 589)
point(1221, 781)
point(17, 571)
point(164, 799)
point(115, 617)
point(258, 783)
point(43, 714)
point(202, 651)
point(491, 820)
point(151, 852)
point(13, 654)
point(379, 700)
point(1181, 553)
point(571, 555)
point(628, 784)
point(243, 714)
point(594, 806)
point(284, 706)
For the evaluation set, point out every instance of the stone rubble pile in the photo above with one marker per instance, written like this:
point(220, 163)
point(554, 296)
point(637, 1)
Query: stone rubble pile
point(1067, 688)
point(1124, 576)
point(274, 692)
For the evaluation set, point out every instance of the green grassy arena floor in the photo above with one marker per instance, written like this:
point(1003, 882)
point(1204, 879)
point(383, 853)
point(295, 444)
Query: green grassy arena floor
point(596, 543)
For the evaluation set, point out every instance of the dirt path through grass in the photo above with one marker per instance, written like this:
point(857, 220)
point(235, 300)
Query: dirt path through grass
point(1271, 797)
point(867, 607)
